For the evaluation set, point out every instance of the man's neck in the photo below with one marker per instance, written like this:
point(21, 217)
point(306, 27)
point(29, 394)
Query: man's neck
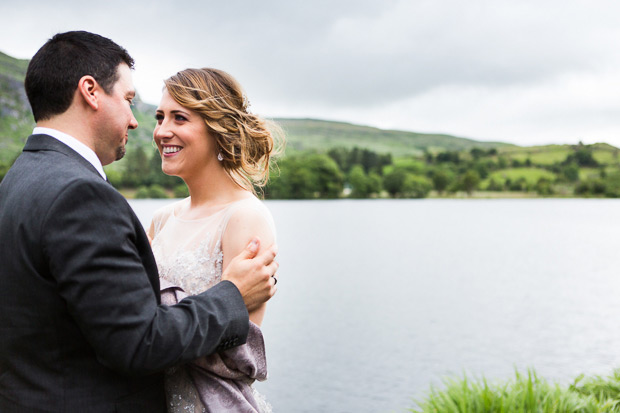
point(68, 124)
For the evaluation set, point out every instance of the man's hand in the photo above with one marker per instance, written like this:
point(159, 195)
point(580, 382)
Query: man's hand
point(252, 274)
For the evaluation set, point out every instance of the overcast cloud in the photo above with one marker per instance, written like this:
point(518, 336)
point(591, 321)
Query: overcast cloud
point(527, 72)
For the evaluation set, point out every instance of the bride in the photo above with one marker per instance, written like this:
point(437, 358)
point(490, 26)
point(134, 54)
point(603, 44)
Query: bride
point(206, 135)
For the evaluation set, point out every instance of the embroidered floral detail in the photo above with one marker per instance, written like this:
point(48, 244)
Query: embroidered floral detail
point(194, 270)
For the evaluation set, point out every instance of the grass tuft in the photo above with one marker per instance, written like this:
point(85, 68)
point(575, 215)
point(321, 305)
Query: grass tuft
point(524, 393)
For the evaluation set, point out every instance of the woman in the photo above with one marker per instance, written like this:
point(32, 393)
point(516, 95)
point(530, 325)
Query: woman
point(206, 136)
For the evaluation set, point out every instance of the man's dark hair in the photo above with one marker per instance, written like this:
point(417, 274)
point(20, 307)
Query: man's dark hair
point(55, 70)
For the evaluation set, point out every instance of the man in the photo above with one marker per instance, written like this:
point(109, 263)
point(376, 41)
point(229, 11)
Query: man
point(81, 325)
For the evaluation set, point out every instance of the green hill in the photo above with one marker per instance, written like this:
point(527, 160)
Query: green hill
point(320, 135)
point(302, 134)
point(15, 118)
point(551, 154)
point(16, 123)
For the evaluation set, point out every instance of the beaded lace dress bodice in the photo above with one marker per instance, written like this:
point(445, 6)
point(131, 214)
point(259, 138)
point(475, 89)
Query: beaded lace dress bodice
point(189, 255)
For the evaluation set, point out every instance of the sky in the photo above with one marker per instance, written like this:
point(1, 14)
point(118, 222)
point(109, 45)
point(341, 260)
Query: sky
point(525, 72)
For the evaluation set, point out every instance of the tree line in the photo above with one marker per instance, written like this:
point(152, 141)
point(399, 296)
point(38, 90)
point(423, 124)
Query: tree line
point(362, 173)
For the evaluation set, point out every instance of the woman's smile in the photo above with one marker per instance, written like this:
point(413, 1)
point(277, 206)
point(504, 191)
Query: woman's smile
point(170, 150)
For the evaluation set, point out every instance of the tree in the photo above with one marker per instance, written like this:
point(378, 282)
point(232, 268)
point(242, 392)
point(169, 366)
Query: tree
point(340, 156)
point(494, 185)
point(448, 157)
point(394, 181)
point(358, 180)
point(375, 183)
point(612, 185)
point(469, 181)
point(482, 168)
point(583, 156)
point(136, 168)
point(294, 181)
point(519, 185)
point(441, 180)
point(156, 176)
point(543, 186)
point(570, 171)
point(330, 180)
point(416, 186)
point(306, 177)
point(476, 153)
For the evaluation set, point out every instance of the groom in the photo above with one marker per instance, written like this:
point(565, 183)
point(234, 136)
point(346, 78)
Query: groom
point(81, 325)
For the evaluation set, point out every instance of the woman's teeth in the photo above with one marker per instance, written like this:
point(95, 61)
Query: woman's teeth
point(172, 149)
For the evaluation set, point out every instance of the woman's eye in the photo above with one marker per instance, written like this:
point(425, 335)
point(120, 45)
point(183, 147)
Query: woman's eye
point(180, 118)
point(159, 118)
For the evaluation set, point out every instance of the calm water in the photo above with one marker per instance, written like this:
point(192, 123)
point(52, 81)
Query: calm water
point(380, 299)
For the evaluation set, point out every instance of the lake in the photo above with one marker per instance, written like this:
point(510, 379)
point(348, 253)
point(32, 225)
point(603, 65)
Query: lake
point(380, 299)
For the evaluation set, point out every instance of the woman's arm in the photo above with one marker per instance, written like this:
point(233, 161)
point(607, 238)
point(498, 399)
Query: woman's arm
point(243, 225)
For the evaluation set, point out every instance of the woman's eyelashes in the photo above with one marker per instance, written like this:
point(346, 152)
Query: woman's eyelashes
point(159, 117)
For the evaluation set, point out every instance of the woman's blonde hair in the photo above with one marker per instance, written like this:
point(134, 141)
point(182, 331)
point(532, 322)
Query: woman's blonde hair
point(245, 141)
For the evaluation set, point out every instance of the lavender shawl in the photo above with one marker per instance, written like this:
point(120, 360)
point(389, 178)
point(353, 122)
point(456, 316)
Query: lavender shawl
point(223, 380)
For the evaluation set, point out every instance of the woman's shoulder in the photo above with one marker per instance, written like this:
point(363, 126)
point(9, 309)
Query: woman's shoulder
point(168, 209)
point(161, 215)
point(251, 207)
point(250, 213)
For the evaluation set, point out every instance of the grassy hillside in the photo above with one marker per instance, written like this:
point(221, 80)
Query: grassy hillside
point(15, 119)
point(13, 68)
point(551, 154)
point(320, 135)
point(302, 134)
point(497, 165)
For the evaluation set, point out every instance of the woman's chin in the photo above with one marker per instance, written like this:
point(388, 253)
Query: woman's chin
point(169, 171)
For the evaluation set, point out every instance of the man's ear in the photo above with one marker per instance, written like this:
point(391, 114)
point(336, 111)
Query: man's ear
point(89, 90)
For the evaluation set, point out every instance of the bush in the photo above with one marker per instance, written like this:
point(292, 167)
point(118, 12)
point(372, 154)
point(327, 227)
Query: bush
point(519, 185)
point(416, 186)
point(142, 193)
point(469, 181)
point(157, 191)
point(494, 186)
point(543, 187)
point(181, 191)
point(151, 192)
point(394, 181)
point(115, 177)
point(441, 180)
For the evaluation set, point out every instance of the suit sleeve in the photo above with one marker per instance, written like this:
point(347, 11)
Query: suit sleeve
point(94, 254)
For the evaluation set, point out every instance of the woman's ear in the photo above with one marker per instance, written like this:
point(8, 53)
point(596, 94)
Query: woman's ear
point(88, 89)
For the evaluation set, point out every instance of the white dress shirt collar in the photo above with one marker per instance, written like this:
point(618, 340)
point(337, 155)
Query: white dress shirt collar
point(74, 144)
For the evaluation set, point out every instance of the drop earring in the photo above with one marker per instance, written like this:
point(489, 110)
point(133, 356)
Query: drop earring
point(220, 157)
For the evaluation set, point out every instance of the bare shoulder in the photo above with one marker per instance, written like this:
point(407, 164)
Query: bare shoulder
point(168, 209)
point(248, 219)
point(251, 217)
point(161, 215)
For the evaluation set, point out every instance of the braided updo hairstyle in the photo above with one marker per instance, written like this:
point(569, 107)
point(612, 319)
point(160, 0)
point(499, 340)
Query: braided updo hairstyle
point(245, 140)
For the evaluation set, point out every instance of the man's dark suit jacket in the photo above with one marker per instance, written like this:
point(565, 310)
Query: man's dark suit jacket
point(81, 325)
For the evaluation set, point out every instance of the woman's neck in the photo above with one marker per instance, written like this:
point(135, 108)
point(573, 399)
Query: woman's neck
point(214, 188)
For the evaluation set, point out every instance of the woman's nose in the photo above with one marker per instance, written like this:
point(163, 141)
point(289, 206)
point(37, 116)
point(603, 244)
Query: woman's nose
point(162, 131)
